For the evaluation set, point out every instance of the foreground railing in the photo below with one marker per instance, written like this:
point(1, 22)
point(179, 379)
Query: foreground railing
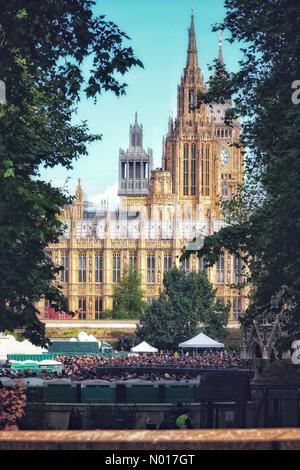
point(206, 439)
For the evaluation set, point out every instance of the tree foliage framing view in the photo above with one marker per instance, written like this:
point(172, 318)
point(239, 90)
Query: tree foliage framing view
point(264, 215)
point(128, 297)
point(43, 46)
point(187, 305)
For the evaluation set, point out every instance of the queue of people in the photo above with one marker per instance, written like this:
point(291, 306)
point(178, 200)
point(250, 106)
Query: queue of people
point(78, 368)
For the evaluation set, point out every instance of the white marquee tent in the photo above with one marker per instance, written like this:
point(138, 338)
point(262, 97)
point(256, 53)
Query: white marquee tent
point(9, 345)
point(144, 348)
point(201, 341)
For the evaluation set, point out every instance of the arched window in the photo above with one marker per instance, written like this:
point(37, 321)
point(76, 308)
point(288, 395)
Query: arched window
point(225, 192)
point(207, 171)
point(98, 308)
point(236, 159)
point(185, 170)
point(167, 262)
point(132, 261)
point(64, 262)
point(191, 102)
point(82, 308)
point(98, 268)
point(202, 170)
point(193, 170)
point(173, 161)
point(236, 309)
point(201, 263)
point(185, 264)
point(123, 170)
point(151, 269)
point(82, 268)
point(220, 266)
point(237, 270)
point(116, 267)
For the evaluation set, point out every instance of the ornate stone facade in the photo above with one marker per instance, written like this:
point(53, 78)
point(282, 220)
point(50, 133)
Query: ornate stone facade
point(177, 202)
point(135, 164)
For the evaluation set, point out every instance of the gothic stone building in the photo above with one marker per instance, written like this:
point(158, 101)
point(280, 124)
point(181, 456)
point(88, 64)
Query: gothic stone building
point(161, 210)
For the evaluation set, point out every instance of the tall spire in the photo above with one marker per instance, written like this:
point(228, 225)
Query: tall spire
point(192, 59)
point(220, 53)
point(136, 133)
point(78, 188)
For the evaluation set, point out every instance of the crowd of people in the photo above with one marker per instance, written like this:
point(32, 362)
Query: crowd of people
point(87, 367)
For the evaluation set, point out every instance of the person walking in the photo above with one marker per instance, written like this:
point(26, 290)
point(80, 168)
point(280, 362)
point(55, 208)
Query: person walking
point(75, 420)
point(183, 421)
point(170, 416)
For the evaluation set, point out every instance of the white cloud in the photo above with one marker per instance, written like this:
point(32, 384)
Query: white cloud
point(108, 197)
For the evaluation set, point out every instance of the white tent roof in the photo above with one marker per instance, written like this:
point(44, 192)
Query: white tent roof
point(201, 341)
point(49, 362)
point(144, 348)
point(9, 345)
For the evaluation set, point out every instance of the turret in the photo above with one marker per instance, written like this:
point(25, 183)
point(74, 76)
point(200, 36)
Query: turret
point(135, 164)
point(192, 54)
point(79, 200)
point(220, 52)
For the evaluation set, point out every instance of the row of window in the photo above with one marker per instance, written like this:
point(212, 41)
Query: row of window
point(220, 268)
point(81, 309)
point(236, 307)
point(190, 170)
point(224, 133)
point(151, 261)
point(237, 270)
point(134, 170)
point(98, 307)
point(64, 275)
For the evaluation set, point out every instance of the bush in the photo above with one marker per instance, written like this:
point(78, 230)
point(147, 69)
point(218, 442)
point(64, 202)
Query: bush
point(12, 404)
point(102, 334)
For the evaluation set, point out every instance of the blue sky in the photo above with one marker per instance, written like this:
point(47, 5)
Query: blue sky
point(158, 32)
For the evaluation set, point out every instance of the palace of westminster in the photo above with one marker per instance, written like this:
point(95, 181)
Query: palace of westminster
point(161, 210)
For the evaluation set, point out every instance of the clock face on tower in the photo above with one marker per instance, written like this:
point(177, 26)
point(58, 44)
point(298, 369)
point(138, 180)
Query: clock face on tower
point(225, 156)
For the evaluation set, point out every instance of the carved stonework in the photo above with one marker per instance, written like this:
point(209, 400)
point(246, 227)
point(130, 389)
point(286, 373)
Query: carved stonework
point(277, 372)
point(260, 338)
point(151, 218)
point(228, 270)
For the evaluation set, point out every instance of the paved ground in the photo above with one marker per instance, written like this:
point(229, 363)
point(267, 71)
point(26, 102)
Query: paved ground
point(101, 324)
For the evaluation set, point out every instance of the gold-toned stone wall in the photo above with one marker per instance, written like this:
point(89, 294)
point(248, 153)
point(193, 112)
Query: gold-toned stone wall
point(201, 163)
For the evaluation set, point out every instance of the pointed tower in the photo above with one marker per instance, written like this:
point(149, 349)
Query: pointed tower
point(197, 146)
point(135, 164)
point(220, 60)
point(192, 55)
point(220, 51)
point(136, 134)
point(192, 78)
point(79, 200)
point(181, 156)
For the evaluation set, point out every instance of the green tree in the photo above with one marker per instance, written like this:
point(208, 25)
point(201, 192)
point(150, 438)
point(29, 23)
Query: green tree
point(43, 48)
point(264, 218)
point(128, 296)
point(187, 305)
